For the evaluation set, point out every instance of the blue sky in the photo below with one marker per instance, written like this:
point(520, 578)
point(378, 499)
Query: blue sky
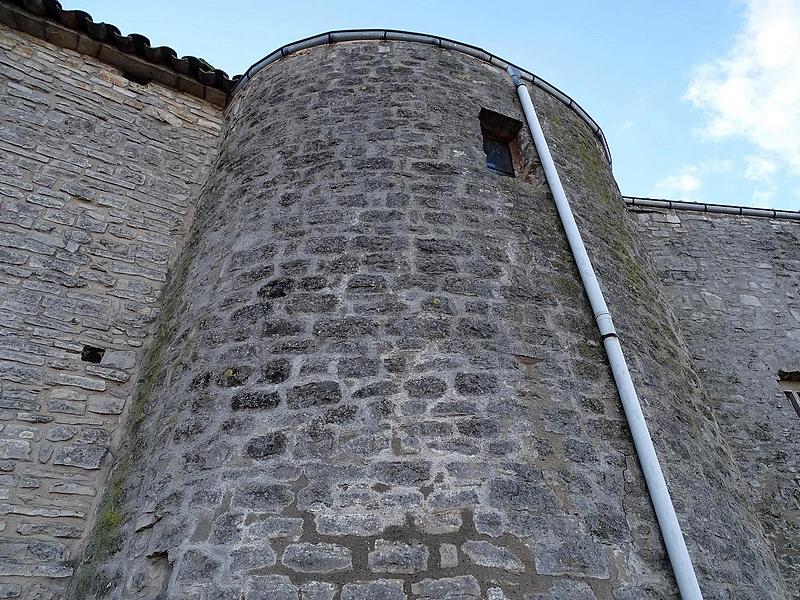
point(699, 100)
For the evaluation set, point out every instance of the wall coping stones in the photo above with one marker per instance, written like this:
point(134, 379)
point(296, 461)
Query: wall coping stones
point(633, 202)
point(76, 30)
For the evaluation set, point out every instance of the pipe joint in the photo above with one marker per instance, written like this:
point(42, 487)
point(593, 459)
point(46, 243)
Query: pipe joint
point(606, 325)
point(651, 469)
point(516, 76)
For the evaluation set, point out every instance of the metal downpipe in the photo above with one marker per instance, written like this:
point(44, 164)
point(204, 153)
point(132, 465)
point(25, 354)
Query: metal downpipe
point(657, 487)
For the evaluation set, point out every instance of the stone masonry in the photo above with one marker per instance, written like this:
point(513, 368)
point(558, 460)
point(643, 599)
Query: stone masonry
point(734, 283)
point(97, 180)
point(379, 378)
point(309, 348)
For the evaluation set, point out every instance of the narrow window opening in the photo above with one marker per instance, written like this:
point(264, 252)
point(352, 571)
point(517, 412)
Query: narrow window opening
point(789, 382)
point(500, 142)
point(92, 354)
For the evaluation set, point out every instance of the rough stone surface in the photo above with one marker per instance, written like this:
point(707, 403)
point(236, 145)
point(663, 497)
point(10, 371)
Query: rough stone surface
point(98, 181)
point(408, 408)
point(385, 589)
point(374, 372)
point(734, 286)
point(317, 558)
point(398, 557)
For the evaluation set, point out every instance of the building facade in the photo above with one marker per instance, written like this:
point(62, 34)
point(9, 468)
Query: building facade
point(289, 336)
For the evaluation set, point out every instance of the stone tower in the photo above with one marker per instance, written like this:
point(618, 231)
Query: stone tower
point(345, 359)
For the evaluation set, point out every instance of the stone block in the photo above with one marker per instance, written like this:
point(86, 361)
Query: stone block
point(485, 554)
point(425, 387)
point(570, 553)
point(383, 589)
point(271, 587)
point(465, 587)
point(313, 394)
point(317, 590)
point(15, 449)
point(255, 400)
point(266, 446)
point(85, 456)
point(346, 524)
point(317, 558)
point(256, 556)
point(448, 556)
point(398, 557)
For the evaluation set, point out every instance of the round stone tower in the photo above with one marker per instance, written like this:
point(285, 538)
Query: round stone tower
point(377, 375)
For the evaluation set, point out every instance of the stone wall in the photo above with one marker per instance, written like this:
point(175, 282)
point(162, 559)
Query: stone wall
point(734, 285)
point(97, 180)
point(726, 540)
point(376, 374)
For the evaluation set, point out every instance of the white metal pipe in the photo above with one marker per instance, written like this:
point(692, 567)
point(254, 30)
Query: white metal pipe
point(657, 487)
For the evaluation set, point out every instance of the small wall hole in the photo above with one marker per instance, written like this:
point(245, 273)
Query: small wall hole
point(92, 354)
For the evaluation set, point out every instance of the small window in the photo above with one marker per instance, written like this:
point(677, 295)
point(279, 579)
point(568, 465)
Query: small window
point(498, 156)
point(789, 382)
point(500, 142)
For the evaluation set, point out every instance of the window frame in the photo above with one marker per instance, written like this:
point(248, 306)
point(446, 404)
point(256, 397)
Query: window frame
point(791, 390)
point(506, 146)
point(502, 130)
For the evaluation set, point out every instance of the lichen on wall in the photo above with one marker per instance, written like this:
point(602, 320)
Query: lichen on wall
point(713, 500)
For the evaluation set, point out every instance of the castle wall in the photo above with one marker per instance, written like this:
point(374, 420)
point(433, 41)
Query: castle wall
point(376, 372)
point(97, 180)
point(734, 285)
point(377, 376)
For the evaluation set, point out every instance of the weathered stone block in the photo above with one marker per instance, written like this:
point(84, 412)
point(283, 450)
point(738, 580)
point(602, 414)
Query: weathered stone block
point(426, 387)
point(256, 556)
point(572, 553)
point(384, 589)
point(357, 524)
point(398, 557)
point(317, 558)
point(85, 456)
point(412, 472)
point(313, 394)
point(263, 497)
point(275, 371)
point(15, 449)
point(465, 587)
point(255, 400)
point(266, 446)
point(271, 587)
point(448, 556)
point(318, 590)
point(485, 554)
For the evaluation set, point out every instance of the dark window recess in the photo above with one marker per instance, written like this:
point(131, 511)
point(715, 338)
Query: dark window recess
point(92, 354)
point(500, 142)
point(498, 156)
point(789, 382)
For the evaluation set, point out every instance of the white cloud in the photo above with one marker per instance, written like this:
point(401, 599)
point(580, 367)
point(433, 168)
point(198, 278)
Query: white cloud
point(760, 168)
point(687, 181)
point(754, 91)
point(764, 197)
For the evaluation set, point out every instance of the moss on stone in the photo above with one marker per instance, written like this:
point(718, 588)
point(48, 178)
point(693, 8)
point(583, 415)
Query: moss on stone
point(106, 537)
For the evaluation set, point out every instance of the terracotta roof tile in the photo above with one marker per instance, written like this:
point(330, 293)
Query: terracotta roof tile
point(133, 53)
